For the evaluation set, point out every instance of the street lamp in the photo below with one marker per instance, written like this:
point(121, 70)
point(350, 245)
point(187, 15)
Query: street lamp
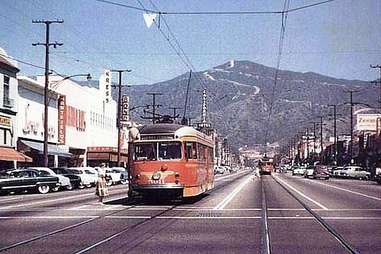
point(46, 103)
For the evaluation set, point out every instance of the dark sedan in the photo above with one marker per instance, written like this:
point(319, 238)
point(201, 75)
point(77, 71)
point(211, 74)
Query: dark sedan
point(27, 179)
point(75, 180)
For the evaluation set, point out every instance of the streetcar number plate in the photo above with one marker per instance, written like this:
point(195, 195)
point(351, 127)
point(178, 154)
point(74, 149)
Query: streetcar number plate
point(160, 181)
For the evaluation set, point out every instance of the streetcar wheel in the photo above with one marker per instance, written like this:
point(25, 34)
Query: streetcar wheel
point(43, 189)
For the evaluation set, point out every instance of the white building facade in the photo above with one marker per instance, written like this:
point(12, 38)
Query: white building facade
point(87, 121)
point(30, 123)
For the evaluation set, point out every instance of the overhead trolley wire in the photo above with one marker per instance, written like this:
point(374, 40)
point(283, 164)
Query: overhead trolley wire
point(212, 12)
point(286, 6)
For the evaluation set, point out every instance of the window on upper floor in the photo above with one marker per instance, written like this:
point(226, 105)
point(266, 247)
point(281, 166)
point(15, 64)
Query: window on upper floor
point(6, 99)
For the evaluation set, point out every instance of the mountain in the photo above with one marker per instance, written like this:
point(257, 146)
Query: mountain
point(241, 95)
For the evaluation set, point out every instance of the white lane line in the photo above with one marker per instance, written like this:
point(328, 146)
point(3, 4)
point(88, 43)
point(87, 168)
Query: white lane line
point(128, 217)
point(229, 176)
point(78, 207)
point(301, 194)
point(353, 192)
point(184, 217)
point(47, 201)
point(226, 200)
point(49, 217)
point(10, 199)
point(207, 217)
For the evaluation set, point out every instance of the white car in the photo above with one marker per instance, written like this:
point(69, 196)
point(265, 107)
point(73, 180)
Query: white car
point(353, 172)
point(88, 178)
point(115, 176)
point(219, 170)
point(64, 182)
point(123, 174)
point(299, 170)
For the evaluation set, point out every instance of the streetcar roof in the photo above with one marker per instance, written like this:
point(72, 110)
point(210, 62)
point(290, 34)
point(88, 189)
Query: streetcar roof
point(171, 131)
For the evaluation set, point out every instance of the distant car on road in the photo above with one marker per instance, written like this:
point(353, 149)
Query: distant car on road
point(27, 179)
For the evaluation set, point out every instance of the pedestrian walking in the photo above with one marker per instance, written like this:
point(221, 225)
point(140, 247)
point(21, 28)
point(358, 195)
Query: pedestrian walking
point(101, 188)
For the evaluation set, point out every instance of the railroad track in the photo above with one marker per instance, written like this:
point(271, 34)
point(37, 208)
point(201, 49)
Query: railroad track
point(266, 241)
point(133, 203)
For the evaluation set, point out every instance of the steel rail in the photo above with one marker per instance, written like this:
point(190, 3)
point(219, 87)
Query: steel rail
point(61, 230)
point(345, 243)
point(12, 246)
point(144, 222)
point(266, 243)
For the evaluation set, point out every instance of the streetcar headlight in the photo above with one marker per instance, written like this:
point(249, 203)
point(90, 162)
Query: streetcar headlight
point(177, 176)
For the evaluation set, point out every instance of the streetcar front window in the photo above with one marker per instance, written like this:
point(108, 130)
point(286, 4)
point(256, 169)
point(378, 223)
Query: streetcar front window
point(169, 150)
point(145, 151)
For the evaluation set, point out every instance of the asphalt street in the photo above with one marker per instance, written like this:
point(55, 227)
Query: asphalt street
point(228, 219)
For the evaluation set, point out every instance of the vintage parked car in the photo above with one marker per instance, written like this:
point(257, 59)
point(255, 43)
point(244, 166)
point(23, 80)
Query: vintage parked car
point(377, 178)
point(27, 179)
point(64, 182)
point(75, 180)
point(299, 170)
point(88, 175)
point(318, 171)
point(352, 172)
point(115, 176)
point(123, 174)
point(219, 170)
point(309, 171)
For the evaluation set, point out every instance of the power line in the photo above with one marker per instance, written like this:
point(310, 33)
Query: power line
point(23, 62)
point(213, 12)
point(286, 6)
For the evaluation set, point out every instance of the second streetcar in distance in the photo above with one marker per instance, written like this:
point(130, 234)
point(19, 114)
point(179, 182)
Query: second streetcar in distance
point(266, 166)
point(171, 160)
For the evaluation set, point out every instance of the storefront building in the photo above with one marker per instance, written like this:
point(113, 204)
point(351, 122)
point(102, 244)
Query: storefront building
point(86, 120)
point(8, 111)
point(30, 127)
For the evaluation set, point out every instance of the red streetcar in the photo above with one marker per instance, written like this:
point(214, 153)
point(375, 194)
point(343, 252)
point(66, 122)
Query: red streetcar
point(266, 166)
point(173, 160)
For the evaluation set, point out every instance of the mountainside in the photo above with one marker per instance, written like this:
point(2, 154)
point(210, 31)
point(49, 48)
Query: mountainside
point(241, 94)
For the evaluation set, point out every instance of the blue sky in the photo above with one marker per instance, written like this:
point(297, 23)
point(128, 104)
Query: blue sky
point(339, 39)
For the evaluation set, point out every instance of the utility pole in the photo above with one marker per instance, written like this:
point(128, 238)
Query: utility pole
point(335, 154)
point(154, 106)
point(174, 112)
point(321, 138)
point(314, 140)
point(351, 104)
point(118, 110)
point(308, 144)
point(47, 44)
point(379, 68)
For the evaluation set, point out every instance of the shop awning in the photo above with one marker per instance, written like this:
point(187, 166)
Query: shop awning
point(52, 149)
point(10, 154)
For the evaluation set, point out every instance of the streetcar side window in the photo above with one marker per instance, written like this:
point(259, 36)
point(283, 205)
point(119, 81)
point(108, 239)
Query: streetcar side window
point(169, 151)
point(146, 151)
point(191, 150)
